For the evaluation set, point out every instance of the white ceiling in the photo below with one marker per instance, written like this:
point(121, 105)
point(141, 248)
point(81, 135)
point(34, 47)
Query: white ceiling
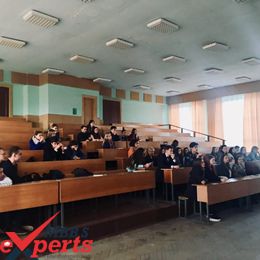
point(86, 27)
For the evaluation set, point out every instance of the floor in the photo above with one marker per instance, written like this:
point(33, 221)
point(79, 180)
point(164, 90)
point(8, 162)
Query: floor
point(236, 237)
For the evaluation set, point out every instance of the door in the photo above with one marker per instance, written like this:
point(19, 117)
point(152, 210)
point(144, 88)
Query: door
point(4, 101)
point(88, 109)
point(111, 112)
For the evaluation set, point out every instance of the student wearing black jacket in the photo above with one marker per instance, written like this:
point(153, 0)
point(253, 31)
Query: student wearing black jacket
point(223, 169)
point(91, 126)
point(191, 155)
point(53, 151)
point(83, 135)
point(73, 151)
point(221, 152)
point(115, 136)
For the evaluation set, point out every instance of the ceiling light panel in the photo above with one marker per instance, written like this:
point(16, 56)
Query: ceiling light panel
point(12, 43)
point(251, 61)
point(172, 79)
point(204, 86)
point(172, 91)
point(213, 70)
point(82, 59)
point(53, 71)
point(134, 71)
point(143, 87)
point(215, 46)
point(243, 79)
point(40, 19)
point(163, 25)
point(174, 58)
point(120, 44)
point(101, 80)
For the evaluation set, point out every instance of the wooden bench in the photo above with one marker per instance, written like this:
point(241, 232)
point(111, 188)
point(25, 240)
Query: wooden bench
point(112, 153)
point(36, 154)
point(75, 189)
point(91, 146)
point(29, 195)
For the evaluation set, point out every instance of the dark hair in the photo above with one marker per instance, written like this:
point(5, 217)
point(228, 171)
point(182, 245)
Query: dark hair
point(138, 156)
point(242, 147)
point(53, 139)
point(38, 132)
point(133, 142)
point(73, 142)
point(13, 150)
point(83, 126)
point(222, 158)
point(213, 150)
point(239, 156)
point(193, 144)
point(207, 159)
point(254, 148)
point(175, 142)
point(221, 147)
point(231, 150)
point(91, 121)
point(123, 130)
point(133, 130)
point(236, 147)
point(196, 165)
point(54, 125)
point(51, 130)
point(167, 147)
point(113, 127)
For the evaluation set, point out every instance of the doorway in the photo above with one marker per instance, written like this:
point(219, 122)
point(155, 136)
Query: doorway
point(111, 112)
point(4, 101)
point(89, 109)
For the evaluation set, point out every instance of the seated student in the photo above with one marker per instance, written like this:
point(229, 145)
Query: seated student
point(37, 142)
point(95, 136)
point(214, 151)
point(4, 180)
point(123, 136)
point(73, 151)
point(91, 126)
point(202, 174)
point(239, 168)
point(108, 142)
point(175, 144)
point(167, 160)
point(133, 135)
point(53, 151)
point(223, 169)
point(191, 155)
point(221, 151)
point(115, 136)
point(137, 160)
point(10, 165)
point(185, 151)
point(83, 135)
point(243, 152)
point(133, 145)
point(50, 134)
point(56, 130)
point(149, 156)
point(2, 156)
point(179, 156)
point(254, 154)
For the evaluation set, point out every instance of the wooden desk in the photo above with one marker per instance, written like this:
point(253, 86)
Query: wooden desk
point(29, 195)
point(75, 189)
point(36, 154)
point(214, 193)
point(175, 176)
point(111, 154)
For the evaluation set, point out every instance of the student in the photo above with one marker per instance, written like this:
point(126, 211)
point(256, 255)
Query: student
point(53, 151)
point(73, 151)
point(185, 151)
point(214, 151)
point(2, 156)
point(191, 155)
point(123, 136)
point(175, 144)
point(50, 134)
point(236, 149)
point(4, 180)
point(137, 160)
point(167, 160)
point(56, 130)
point(108, 142)
point(239, 168)
point(221, 151)
point(114, 134)
point(254, 154)
point(133, 145)
point(179, 155)
point(37, 142)
point(10, 165)
point(223, 169)
point(243, 152)
point(133, 136)
point(149, 156)
point(83, 135)
point(202, 174)
point(95, 136)
point(91, 127)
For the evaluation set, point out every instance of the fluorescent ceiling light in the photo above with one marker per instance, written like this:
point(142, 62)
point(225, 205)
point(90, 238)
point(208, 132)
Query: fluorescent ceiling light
point(251, 61)
point(174, 79)
point(243, 78)
point(174, 58)
point(163, 25)
point(53, 71)
point(204, 86)
point(40, 19)
point(172, 91)
point(215, 46)
point(120, 43)
point(213, 70)
point(102, 80)
point(134, 71)
point(144, 87)
point(82, 59)
point(12, 43)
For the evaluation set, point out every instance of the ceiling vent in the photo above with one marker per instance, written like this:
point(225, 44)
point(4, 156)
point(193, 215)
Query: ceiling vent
point(204, 86)
point(242, 79)
point(172, 79)
point(53, 71)
point(142, 87)
point(213, 70)
point(82, 59)
point(120, 44)
point(163, 25)
point(172, 91)
point(134, 71)
point(215, 46)
point(251, 61)
point(102, 80)
point(12, 43)
point(174, 58)
point(40, 19)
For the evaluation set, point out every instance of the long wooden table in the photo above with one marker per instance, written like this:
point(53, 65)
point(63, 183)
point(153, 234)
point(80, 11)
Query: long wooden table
point(214, 193)
point(29, 195)
point(75, 189)
point(175, 176)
